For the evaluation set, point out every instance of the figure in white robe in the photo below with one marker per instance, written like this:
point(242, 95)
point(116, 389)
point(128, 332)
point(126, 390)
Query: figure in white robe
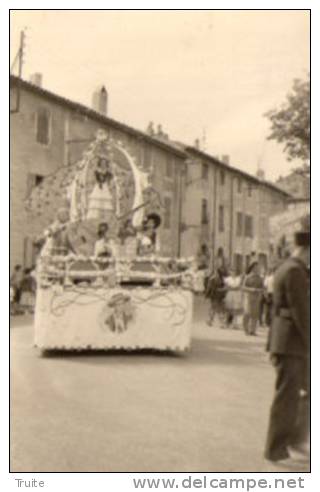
point(100, 200)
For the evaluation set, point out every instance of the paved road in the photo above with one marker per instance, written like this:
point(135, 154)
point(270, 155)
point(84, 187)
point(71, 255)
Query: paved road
point(206, 411)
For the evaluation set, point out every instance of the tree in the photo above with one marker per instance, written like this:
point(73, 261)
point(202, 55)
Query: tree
point(290, 124)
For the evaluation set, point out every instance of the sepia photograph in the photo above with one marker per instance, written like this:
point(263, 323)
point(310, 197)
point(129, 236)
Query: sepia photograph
point(160, 242)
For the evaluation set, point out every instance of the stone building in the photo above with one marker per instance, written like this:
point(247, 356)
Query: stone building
point(205, 199)
point(227, 209)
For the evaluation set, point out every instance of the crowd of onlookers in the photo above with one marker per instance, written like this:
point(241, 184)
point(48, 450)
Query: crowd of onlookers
point(22, 290)
point(237, 300)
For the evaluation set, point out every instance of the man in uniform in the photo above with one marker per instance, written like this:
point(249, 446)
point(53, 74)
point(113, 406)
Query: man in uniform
point(289, 346)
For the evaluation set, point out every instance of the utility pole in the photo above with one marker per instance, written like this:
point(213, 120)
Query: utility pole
point(19, 58)
point(21, 52)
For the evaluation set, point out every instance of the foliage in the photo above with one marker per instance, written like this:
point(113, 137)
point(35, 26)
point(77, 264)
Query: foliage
point(290, 124)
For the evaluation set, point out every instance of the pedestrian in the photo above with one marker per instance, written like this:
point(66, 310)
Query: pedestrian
point(252, 291)
point(268, 296)
point(203, 263)
point(215, 292)
point(15, 284)
point(289, 347)
point(203, 257)
point(28, 291)
point(233, 299)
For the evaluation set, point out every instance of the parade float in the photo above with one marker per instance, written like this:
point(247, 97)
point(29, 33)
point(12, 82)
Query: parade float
point(101, 280)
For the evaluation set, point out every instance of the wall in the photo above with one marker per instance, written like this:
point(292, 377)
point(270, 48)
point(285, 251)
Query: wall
point(27, 157)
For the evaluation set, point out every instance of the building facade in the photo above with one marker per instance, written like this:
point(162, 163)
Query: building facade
point(228, 210)
point(205, 201)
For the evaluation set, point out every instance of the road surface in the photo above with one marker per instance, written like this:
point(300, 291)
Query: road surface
point(205, 411)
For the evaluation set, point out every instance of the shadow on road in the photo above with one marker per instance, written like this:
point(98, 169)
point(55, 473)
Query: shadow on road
point(203, 352)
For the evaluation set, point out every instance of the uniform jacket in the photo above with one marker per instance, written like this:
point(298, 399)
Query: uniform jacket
point(290, 330)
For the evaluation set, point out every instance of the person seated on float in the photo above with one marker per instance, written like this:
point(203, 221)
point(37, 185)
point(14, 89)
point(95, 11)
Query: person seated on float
point(56, 236)
point(128, 239)
point(104, 247)
point(148, 242)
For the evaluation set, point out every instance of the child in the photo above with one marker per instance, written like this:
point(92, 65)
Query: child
point(104, 248)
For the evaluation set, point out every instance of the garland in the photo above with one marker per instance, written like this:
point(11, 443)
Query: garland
point(154, 260)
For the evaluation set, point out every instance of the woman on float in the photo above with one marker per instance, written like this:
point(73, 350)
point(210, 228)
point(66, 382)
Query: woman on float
point(148, 241)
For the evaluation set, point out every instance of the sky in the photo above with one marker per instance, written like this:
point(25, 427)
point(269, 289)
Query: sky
point(202, 74)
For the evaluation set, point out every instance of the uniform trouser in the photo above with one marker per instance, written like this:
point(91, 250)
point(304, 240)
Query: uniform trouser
point(284, 415)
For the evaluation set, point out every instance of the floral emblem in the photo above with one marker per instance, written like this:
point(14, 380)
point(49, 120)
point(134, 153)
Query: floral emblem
point(118, 312)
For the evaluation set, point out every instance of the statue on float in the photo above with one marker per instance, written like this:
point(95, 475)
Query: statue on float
point(107, 207)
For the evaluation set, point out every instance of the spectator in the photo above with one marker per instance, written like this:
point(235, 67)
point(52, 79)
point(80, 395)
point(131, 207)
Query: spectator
point(252, 287)
point(268, 295)
point(28, 288)
point(15, 284)
point(233, 299)
point(203, 257)
point(203, 263)
point(215, 292)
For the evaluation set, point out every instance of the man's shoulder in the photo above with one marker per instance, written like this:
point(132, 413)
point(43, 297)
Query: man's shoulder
point(289, 265)
point(291, 271)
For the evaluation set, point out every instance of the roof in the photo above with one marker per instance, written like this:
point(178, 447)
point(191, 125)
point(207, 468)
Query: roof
point(85, 110)
point(178, 148)
point(237, 171)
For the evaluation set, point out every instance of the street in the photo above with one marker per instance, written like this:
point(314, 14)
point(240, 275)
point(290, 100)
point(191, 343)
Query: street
point(204, 411)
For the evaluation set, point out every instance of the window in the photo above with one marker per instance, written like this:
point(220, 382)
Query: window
point(248, 226)
point(169, 167)
point(249, 189)
point(32, 181)
point(38, 179)
point(204, 212)
point(221, 218)
point(205, 170)
point(239, 181)
point(43, 126)
point(167, 213)
point(239, 223)
point(222, 177)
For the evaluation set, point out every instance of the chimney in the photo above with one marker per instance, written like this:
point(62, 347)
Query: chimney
point(36, 79)
point(159, 131)
point(225, 159)
point(100, 100)
point(197, 143)
point(261, 174)
point(150, 129)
